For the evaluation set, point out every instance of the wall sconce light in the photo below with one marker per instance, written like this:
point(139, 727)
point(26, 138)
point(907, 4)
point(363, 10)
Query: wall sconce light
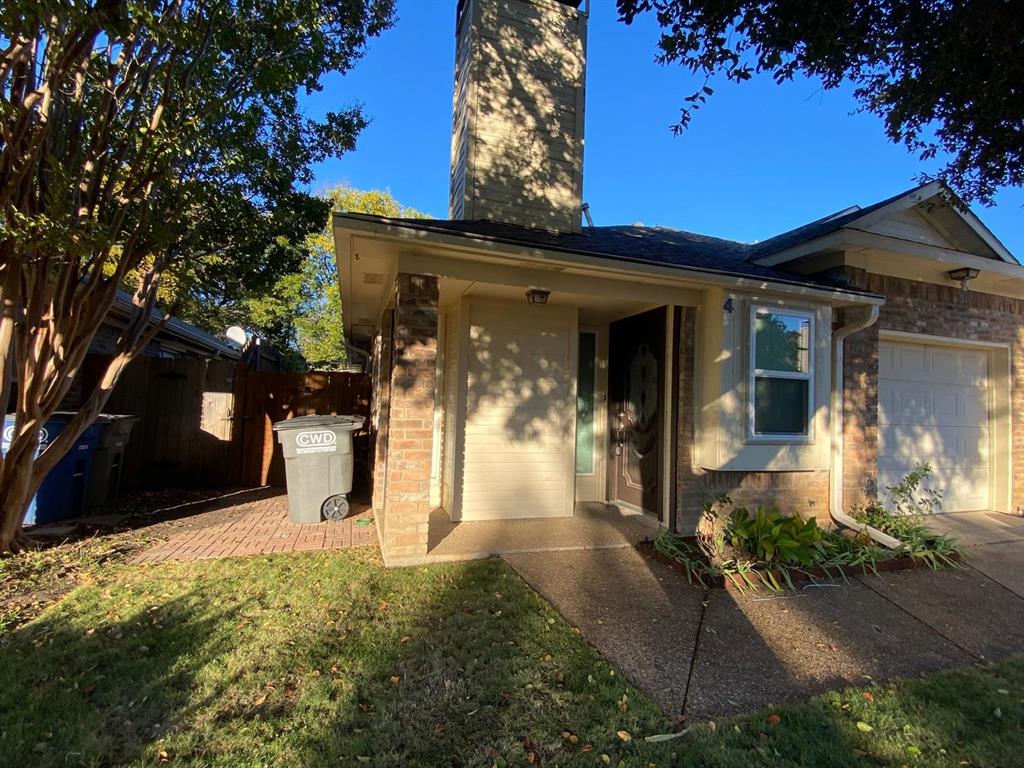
point(963, 276)
point(537, 296)
point(728, 306)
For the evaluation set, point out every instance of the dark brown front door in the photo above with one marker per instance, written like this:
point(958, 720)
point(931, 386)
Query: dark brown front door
point(636, 386)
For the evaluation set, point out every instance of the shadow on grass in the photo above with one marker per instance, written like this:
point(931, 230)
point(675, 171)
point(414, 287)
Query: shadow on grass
point(327, 659)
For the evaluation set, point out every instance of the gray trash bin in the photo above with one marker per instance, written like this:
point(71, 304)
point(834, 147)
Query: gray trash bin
point(318, 465)
point(108, 458)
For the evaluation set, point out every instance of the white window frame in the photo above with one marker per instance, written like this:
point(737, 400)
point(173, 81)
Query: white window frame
point(768, 373)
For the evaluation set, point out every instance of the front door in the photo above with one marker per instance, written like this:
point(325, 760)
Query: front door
point(636, 413)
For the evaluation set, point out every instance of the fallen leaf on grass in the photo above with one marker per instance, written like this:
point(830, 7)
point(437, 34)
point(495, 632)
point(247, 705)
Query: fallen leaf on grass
point(624, 735)
point(862, 726)
point(774, 719)
point(869, 697)
point(660, 737)
point(395, 679)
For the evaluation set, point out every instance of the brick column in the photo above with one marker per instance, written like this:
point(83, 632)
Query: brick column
point(411, 421)
point(860, 406)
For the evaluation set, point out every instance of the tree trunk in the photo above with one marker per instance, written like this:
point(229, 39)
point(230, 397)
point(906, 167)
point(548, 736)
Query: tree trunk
point(23, 472)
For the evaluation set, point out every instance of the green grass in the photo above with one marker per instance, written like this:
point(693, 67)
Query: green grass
point(327, 659)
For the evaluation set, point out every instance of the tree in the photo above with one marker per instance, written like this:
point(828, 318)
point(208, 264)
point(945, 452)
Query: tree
point(123, 125)
point(946, 77)
point(318, 321)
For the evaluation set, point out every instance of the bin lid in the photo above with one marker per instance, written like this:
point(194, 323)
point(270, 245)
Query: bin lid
point(107, 418)
point(306, 422)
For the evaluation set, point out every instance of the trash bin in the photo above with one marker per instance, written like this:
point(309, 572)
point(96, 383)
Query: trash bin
point(318, 465)
point(62, 494)
point(108, 458)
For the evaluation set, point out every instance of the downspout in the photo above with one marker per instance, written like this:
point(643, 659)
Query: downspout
point(835, 498)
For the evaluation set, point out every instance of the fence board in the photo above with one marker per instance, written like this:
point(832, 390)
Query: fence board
point(208, 423)
point(271, 397)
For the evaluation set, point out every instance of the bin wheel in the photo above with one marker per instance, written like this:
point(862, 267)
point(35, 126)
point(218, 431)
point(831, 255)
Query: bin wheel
point(335, 508)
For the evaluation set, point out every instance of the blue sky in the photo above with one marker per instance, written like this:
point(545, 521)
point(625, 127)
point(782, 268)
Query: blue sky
point(757, 160)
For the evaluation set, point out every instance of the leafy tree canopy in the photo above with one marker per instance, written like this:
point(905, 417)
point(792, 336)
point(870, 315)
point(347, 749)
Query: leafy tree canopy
point(293, 300)
point(946, 77)
point(140, 138)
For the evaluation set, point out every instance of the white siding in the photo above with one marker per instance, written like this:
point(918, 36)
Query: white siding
point(933, 407)
point(520, 414)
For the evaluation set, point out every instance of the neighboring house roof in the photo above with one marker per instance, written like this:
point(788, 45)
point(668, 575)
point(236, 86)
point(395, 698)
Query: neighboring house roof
point(184, 334)
point(650, 245)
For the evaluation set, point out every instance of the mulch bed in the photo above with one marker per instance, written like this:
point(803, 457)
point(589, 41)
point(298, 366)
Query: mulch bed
point(902, 563)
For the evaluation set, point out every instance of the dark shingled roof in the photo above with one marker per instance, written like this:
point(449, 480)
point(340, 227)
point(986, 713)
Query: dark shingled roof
point(649, 245)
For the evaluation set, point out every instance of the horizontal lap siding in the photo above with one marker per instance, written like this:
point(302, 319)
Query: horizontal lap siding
point(520, 412)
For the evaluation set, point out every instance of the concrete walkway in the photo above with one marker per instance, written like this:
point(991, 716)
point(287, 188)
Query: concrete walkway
point(709, 654)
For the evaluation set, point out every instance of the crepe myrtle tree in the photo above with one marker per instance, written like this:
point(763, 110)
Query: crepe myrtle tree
point(123, 125)
point(947, 78)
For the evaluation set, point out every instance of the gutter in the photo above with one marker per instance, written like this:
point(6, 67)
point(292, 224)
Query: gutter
point(835, 496)
point(510, 248)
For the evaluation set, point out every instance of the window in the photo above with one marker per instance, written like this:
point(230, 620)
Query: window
point(585, 385)
point(782, 373)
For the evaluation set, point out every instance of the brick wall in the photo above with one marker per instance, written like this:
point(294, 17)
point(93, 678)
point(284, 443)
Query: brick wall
point(936, 310)
point(405, 507)
point(806, 492)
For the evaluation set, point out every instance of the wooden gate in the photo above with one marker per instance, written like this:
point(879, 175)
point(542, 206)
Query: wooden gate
point(261, 399)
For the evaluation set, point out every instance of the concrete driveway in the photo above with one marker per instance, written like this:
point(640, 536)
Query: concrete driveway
point(707, 654)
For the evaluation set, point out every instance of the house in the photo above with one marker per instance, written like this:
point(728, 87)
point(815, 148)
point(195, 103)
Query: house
point(526, 364)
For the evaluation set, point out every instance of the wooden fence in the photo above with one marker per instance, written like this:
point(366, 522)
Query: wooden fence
point(262, 399)
point(207, 423)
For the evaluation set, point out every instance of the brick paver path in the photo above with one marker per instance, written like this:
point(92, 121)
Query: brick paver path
point(254, 527)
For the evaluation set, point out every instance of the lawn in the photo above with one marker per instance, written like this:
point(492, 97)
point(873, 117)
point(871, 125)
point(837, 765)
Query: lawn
point(327, 659)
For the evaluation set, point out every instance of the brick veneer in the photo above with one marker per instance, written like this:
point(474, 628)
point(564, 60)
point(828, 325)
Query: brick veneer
point(404, 509)
point(936, 310)
point(790, 491)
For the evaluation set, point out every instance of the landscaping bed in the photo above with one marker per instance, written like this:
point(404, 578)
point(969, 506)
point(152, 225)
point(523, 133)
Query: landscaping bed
point(719, 581)
point(746, 550)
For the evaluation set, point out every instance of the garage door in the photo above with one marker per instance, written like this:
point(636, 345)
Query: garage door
point(933, 408)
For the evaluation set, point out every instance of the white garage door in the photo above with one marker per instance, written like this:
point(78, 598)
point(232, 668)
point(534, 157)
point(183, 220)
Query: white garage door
point(933, 408)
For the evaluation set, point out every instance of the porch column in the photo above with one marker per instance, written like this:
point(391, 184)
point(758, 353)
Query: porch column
point(411, 421)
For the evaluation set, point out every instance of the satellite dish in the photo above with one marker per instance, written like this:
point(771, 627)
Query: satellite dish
point(237, 335)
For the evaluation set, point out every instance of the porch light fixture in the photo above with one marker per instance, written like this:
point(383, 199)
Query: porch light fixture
point(964, 275)
point(537, 296)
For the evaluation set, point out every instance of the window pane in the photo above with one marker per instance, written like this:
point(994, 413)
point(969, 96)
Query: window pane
point(780, 406)
point(585, 404)
point(781, 342)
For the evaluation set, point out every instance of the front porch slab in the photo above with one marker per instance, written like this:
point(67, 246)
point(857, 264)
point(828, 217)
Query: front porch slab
point(594, 526)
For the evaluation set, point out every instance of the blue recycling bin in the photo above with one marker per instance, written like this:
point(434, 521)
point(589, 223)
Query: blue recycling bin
point(62, 494)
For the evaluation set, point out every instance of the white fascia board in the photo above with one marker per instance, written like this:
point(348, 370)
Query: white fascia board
point(684, 276)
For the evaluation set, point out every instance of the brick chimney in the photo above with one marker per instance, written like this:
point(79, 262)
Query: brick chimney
point(517, 134)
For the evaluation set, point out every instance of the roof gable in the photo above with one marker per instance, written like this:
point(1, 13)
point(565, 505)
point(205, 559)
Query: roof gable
point(930, 214)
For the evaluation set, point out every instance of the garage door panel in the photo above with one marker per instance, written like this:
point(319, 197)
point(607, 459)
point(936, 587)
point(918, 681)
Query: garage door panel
point(939, 405)
point(933, 408)
point(912, 445)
